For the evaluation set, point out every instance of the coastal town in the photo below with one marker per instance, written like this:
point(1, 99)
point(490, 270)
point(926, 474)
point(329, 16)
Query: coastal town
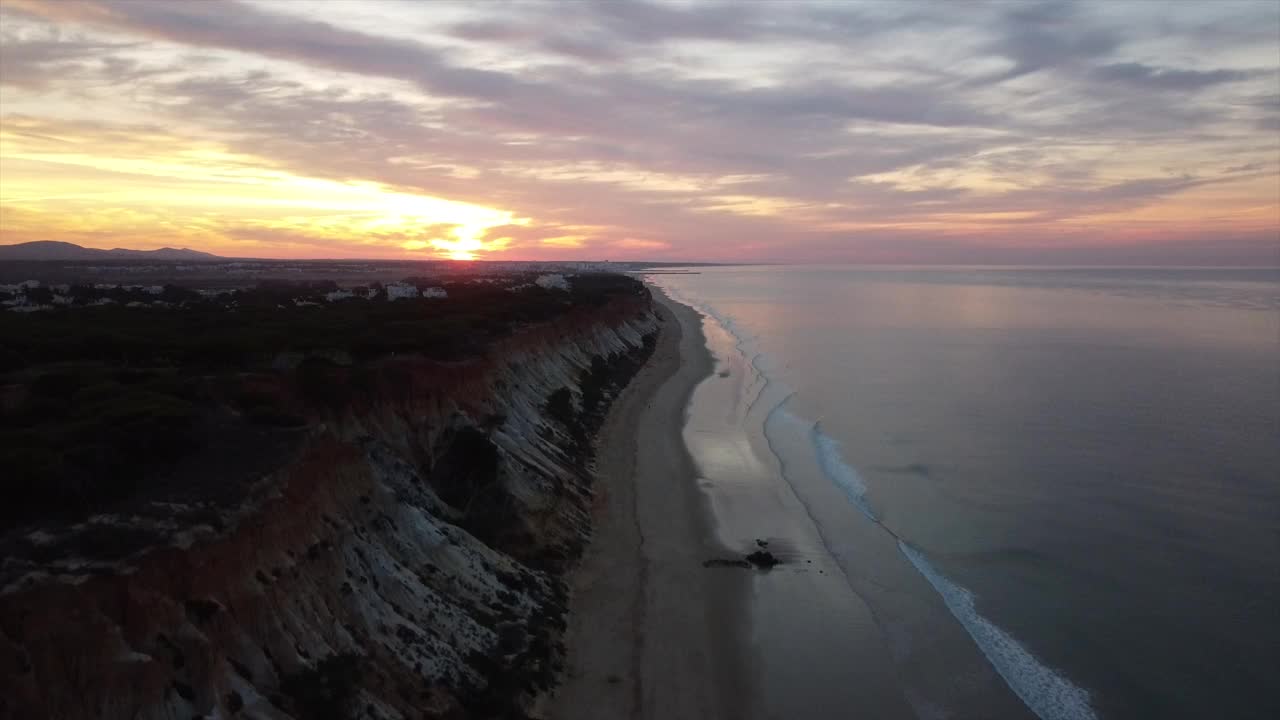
point(34, 296)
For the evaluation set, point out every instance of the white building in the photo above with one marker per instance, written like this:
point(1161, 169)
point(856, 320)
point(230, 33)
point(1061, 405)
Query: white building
point(435, 292)
point(395, 291)
point(552, 282)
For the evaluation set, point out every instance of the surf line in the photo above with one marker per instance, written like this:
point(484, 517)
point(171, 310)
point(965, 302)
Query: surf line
point(1044, 691)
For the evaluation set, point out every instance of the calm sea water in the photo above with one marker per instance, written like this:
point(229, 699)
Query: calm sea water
point(1080, 467)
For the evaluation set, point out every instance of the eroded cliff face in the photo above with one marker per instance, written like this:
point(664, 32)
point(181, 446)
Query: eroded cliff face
point(405, 562)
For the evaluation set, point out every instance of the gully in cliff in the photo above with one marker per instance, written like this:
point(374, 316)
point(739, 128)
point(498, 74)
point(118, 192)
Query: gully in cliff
point(307, 500)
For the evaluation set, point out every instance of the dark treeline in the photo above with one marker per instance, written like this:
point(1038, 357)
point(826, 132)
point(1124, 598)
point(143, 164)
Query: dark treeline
point(98, 404)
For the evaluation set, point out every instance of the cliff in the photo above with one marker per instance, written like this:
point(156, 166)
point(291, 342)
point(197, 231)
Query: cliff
point(402, 556)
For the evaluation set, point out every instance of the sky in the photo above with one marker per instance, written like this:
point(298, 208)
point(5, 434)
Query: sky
point(1140, 132)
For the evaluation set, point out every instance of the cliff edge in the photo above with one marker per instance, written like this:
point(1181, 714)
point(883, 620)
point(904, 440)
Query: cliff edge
point(402, 555)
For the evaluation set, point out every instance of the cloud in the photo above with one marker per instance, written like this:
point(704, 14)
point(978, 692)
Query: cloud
point(640, 244)
point(236, 26)
point(679, 130)
point(34, 63)
point(623, 22)
point(1037, 36)
point(1166, 78)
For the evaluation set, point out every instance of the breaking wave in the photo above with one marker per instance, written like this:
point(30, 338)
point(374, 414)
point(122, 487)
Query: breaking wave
point(1048, 694)
point(839, 472)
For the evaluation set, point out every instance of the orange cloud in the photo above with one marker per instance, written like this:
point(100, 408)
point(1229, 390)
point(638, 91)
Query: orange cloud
point(74, 181)
point(283, 130)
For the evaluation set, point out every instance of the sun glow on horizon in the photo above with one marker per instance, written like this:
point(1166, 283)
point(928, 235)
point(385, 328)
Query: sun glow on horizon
point(466, 243)
point(315, 129)
point(65, 183)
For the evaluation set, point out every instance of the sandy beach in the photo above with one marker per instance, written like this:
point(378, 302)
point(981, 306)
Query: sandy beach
point(652, 633)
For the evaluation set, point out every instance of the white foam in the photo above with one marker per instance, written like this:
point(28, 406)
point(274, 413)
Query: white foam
point(766, 382)
point(840, 472)
point(1048, 694)
point(1045, 692)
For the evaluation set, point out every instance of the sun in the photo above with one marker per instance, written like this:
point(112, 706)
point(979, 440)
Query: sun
point(465, 242)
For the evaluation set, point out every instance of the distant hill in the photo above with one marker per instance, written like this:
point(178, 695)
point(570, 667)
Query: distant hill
point(53, 250)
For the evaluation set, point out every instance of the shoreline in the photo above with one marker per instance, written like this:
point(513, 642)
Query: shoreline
point(651, 632)
point(811, 642)
point(655, 633)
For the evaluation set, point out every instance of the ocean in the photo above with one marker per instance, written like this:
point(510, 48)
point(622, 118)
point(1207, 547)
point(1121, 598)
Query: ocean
point(1047, 493)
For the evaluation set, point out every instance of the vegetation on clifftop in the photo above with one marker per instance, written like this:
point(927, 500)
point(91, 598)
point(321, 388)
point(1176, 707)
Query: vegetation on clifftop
point(104, 405)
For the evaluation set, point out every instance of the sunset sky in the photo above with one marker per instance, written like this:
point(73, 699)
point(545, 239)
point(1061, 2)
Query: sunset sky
point(1015, 132)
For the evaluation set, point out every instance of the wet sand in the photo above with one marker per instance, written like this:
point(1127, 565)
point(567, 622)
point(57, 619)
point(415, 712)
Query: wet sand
point(655, 634)
point(652, 633)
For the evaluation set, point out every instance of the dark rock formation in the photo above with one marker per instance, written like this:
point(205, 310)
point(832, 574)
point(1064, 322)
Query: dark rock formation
point(406, 560)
